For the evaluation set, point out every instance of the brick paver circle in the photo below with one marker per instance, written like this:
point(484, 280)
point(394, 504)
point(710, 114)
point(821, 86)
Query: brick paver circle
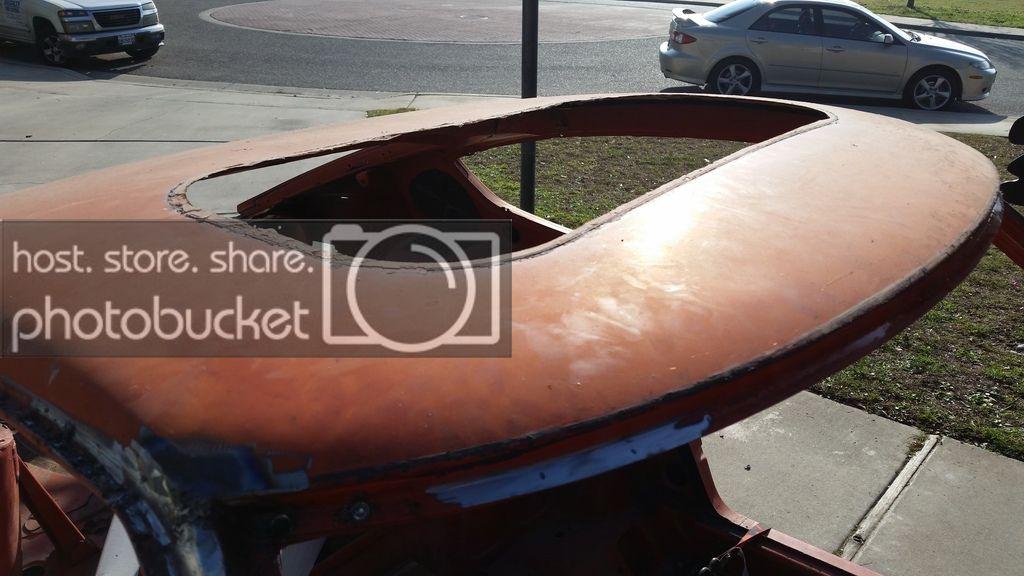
point(459, 21)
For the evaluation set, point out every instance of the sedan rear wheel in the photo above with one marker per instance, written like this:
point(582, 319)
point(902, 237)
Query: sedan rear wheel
point(734, 77)
point(933, 91)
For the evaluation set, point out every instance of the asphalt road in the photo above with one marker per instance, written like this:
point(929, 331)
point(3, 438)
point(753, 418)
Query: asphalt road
point(198, 49)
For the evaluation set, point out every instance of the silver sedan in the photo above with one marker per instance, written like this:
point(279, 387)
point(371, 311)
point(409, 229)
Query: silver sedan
point(832, 47)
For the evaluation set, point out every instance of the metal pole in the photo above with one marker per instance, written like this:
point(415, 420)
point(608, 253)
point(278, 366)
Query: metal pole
point(528, 150)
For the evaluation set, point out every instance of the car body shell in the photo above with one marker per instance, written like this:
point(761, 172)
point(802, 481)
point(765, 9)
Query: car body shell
point(697, 305)
point(811, 63)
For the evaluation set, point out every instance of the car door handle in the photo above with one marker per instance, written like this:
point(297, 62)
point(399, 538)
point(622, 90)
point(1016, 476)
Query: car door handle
point(759, 40)
point(836, 49)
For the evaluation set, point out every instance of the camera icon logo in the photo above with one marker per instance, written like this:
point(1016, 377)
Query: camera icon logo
point(458, 269)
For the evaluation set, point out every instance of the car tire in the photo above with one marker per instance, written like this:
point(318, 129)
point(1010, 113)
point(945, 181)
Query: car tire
point(143, 53)
point(49, 46)
point(932, 89)
point(735, 76)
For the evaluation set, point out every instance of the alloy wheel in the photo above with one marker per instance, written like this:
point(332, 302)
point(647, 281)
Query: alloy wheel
point(932, 92)
point(734, 79)
point(52, 51)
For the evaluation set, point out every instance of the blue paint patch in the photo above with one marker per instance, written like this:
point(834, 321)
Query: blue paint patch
point(210, 471)
point(570, 468)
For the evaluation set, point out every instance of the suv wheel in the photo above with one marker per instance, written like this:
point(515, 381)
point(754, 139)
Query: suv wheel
point(50, 48)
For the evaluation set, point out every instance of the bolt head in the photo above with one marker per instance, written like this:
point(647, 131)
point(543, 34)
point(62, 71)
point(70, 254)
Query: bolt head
point(359, 511)
point(281, 526)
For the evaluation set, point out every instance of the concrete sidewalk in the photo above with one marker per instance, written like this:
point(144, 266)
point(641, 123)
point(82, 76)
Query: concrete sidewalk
point(91, 124)
point(863, 487)
point(837, 477)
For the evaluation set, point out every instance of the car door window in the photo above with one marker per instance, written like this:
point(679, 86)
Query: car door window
point(850, 26)
point(790, 20)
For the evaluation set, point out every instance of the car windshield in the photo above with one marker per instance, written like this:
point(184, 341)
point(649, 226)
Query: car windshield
point(723, 13)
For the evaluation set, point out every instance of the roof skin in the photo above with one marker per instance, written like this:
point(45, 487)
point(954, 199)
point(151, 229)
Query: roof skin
point(662, 311)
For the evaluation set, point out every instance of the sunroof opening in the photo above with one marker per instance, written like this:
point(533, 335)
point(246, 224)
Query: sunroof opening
point(591, 158)
point(578, 180)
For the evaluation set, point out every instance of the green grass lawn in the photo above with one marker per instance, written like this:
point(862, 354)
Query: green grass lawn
point(578, 179)
point(957, 371)
point(990, 12)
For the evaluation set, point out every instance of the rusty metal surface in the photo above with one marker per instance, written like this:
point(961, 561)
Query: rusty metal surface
point(775, 247)
point(1011, 236)
point(659, 516)
point(78, 510)
point(41, 515)
point(1013, 190)
point(68, 540)
point(699, 304)
point(10, 508)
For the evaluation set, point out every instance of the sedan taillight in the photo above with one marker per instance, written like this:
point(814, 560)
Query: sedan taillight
point(681, 38)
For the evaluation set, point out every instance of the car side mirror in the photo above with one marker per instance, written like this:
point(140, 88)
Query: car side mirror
point(688, 11)
point(887, 39)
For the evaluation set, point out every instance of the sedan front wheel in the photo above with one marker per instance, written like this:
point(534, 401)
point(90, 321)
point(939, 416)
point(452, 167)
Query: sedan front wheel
point(932, 90)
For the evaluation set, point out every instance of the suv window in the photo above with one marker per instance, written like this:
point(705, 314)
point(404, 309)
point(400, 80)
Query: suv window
point(849, 26)
point(789, 20)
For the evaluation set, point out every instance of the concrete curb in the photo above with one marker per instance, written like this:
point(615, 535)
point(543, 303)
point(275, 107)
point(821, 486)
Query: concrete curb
point(981, 31)
point(298, 92)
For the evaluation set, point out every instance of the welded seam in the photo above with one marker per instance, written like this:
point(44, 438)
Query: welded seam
point(865, 530)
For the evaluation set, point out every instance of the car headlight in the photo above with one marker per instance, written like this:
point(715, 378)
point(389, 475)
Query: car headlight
point(149, 15)
point(76, 21)
point(981, 64)
point(78, 27)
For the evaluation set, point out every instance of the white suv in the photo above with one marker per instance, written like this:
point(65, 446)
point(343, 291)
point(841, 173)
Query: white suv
point(62, 30)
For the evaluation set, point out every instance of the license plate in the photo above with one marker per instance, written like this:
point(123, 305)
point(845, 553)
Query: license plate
point(125, 39)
